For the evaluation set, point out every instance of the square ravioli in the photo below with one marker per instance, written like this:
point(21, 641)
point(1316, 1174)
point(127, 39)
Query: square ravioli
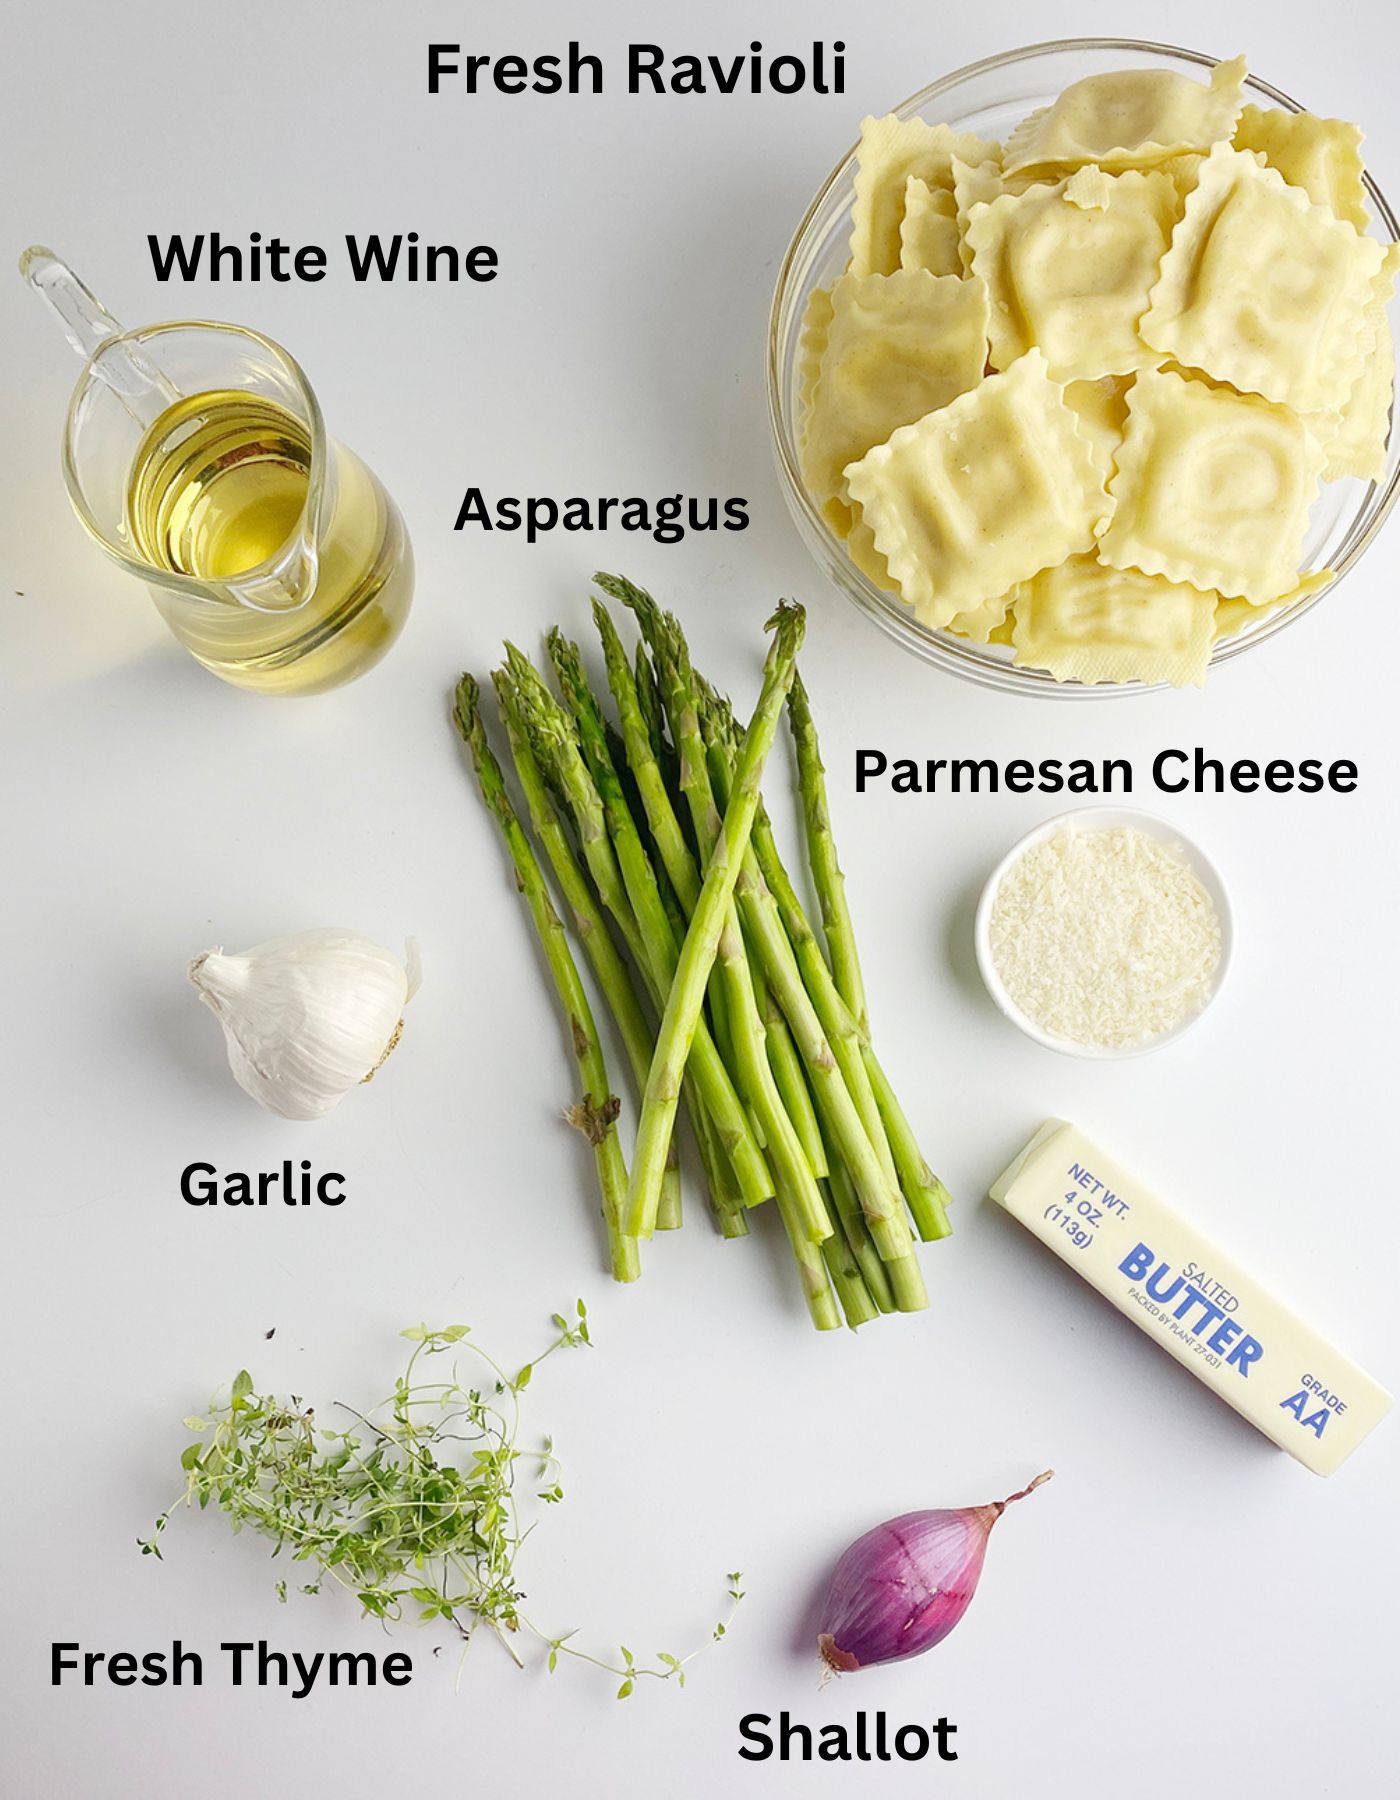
point(1069, 269)
point(1211, 488)
point(891, 150)
point(981, 494)
point(1102, 410)
point(1262, 289)
point(1129, 119)
point(1356, 438)
point(1321, 156)
point(1086, 621)
point(897, 346)
point(1358, 445)
point(811, 347)
point(978, 184)
point(928, 232)
point(980, 624)
point(1234, 616)
point(844, 518)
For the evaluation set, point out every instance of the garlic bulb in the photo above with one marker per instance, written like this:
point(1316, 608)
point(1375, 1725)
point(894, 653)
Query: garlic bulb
point(308, 1017)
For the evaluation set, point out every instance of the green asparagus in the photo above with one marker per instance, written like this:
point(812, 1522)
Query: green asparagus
point(687, 995)
point(724, 993)
point(595, 1112)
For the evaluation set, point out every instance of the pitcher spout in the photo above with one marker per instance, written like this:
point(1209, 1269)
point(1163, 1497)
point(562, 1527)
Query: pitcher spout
point(196, 455)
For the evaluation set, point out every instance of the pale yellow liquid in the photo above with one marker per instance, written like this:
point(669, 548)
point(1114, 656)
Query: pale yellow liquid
point(216, 489)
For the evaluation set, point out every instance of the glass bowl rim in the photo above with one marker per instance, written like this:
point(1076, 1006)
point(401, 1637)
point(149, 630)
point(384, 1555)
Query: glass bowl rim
point(886, 610)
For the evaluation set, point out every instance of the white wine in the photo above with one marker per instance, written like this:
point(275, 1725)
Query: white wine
point(216, 490)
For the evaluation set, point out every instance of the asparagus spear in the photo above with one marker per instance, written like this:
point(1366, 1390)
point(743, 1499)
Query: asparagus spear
point(557, 756)
point(687, 994)
point(874, 1182)
point(726, 1196)
point(880, 1111)
point(642, 899)
point(879, 1108)
point(836, 1018)
point(557, 748)
point(787, 1072)
point(927, 1197)
point(650, 702)
point(590, 927)
point(812, 1265)
point(663, 927)
point(858, 1237)
point(856, 1302)
point(796, 1183)
point(827, 876)
point(660, 815)
point(661, 818)
point(557, 751)
point(879, 1196)
point(746, 1032)
point(925, 1193)
point(680, 701)
point(595, 1113)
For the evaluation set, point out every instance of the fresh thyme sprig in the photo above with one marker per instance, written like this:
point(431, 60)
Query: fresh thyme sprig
point(413, 1505)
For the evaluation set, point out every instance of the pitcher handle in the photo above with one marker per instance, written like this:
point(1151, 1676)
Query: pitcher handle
point(141, 386)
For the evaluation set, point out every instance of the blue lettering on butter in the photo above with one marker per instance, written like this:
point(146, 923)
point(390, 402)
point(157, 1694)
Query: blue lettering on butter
point(1136, 1263)
point(1164, 1284)
point(1316, 1422)
point(1221, 1340)
point(1155, 1289)
point(1209, 1311)
point(1191, 1298)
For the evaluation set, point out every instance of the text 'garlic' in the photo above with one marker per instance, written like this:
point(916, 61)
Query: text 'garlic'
point(307, 1017)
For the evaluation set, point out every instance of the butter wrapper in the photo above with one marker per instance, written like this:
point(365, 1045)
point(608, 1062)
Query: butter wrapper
point(1193, 1299)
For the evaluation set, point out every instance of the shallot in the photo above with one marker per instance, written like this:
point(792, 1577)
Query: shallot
point(901, 1588)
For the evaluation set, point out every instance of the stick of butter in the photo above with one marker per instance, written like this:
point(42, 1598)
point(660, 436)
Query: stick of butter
point(1191, 1298)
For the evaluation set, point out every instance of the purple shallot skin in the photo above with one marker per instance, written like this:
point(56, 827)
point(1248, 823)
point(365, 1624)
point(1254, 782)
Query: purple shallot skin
point(901, 1588)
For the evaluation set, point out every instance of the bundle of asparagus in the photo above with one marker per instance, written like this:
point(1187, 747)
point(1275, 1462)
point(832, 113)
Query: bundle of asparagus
point(722, 993)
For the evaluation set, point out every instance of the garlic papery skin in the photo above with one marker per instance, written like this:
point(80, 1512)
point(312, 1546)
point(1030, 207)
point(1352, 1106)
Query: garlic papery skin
point(307, 1017)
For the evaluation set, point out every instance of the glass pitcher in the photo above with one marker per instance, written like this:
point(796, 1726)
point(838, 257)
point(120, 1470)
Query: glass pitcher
point(196, 455)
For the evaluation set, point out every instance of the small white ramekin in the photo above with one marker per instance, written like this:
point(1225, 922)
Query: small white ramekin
point(1103, 818)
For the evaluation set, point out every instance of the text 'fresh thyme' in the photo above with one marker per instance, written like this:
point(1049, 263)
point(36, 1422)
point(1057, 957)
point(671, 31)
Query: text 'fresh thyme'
point(245, 1665)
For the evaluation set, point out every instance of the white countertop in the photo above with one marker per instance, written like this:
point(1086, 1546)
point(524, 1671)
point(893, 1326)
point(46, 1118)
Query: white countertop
point(1183, 1604)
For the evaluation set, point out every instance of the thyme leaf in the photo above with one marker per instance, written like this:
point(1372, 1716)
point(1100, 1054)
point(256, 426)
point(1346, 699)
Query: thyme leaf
point(411, 1506)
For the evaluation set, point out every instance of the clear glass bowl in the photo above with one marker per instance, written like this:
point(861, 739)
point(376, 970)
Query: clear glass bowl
point(989, 98)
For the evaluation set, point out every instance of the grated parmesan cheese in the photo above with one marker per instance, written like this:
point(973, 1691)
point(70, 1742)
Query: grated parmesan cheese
point(1104, 938)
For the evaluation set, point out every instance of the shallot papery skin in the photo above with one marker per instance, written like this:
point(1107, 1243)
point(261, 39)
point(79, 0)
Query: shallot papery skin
point(901, 1588)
